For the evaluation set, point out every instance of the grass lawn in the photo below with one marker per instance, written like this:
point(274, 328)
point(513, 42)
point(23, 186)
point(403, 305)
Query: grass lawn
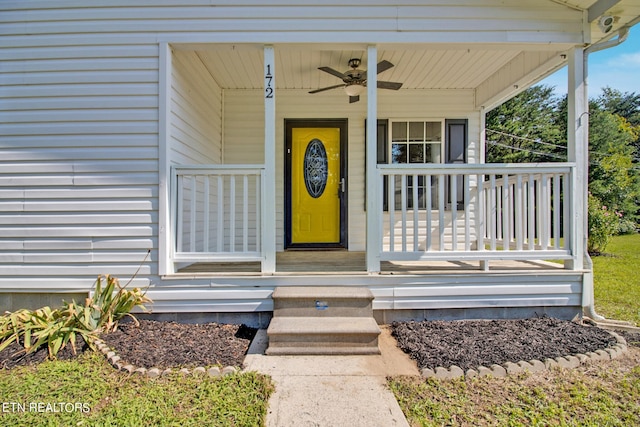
point(617, 279)
point(89, 392)
point(604, 393)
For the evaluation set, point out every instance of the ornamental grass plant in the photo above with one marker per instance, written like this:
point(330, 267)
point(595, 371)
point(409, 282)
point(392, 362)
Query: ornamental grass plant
point(56, 328)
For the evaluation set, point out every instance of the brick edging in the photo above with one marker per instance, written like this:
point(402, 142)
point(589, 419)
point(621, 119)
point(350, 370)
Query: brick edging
point(121, 365)
point(510, 368)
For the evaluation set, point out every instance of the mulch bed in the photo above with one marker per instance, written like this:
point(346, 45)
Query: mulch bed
point(163, 345)
point(14, 354)
point(155, 344)
point(469, 344)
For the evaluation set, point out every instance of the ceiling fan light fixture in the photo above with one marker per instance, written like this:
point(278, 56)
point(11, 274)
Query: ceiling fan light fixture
point(354, 89)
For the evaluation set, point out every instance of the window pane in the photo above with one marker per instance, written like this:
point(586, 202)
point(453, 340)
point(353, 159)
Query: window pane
point(416, 131)
point(399, 153)
point(433, 153)
point(434, 131)
point(399, 131)
point(416, 153)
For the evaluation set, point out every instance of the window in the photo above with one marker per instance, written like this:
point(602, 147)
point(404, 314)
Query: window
point(417, 142)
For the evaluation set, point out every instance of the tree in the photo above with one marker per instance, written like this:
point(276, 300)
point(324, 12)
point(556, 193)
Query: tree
point(613, 176)
point(627, 106)
point(526, 129)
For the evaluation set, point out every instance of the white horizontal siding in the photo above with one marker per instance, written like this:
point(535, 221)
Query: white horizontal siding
point(459, 21)
point(78, 163)
point(196, 113)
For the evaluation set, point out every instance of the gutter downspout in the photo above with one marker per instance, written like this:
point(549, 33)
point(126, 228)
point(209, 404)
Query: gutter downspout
point(588, 299)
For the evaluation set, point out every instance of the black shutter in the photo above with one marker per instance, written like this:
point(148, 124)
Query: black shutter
point(456, 144)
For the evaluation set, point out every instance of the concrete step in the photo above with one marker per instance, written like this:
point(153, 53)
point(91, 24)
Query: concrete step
point(317, 335)
point(322, 301)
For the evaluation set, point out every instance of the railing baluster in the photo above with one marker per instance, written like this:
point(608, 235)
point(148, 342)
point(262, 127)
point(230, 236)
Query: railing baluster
point(499, 213)
point(220, 233)
point(392, 209)
point(416, 206)
point(206, 207)
point(232, 213)
point(428, 209)
point(441, 196)
point(403, 212)
point(454, 211)
point(531, 218)
point(245, 213)
point(192, 215)
point(494, 212)
point(518, 214)
point(544, 212)
point(481, 217)
point(566, 209)
point(258, 191)
point(556, 211)
point(467, 224)
point(506, 217)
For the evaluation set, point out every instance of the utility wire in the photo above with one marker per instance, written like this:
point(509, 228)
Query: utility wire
point(526, 139)
point(527, 151)
point(591, 152)
point(592, 162)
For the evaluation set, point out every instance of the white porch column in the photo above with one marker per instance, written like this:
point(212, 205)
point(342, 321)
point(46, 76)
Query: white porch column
point(374, 238)
point(269, 182)
point(578, 152)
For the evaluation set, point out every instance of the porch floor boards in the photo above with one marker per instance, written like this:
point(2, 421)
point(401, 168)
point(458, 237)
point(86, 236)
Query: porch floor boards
point(354, 263)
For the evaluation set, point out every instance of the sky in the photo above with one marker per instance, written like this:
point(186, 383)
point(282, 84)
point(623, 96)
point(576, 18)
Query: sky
point(617, 67)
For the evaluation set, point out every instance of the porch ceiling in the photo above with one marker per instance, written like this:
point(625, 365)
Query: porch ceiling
point(424, 66)
point(437, 67)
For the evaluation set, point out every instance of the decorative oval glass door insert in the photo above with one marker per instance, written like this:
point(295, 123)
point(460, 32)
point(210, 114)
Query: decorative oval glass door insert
point(315, 168)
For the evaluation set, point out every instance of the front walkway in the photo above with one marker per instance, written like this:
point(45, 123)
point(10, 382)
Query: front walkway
point(333, 390)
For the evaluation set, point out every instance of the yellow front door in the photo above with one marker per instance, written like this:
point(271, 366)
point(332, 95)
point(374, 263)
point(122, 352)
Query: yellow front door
point(315, 185)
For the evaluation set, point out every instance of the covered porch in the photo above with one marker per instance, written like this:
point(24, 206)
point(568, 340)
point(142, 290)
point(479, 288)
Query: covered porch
point(226, 210)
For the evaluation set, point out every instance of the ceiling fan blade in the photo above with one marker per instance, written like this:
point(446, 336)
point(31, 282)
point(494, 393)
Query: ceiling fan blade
point(353, 99)
point(333, 72)
point(326, 88)
point(384, 66)
point(389, 85)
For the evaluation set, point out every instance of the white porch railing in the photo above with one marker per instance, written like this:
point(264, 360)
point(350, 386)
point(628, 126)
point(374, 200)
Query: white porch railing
point(217, 213)
point(476, 211)
point(431, 212)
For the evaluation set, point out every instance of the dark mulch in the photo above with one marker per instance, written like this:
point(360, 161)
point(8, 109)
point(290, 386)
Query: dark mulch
point(469, 344)
point(157, 344)
point(14, 355)
point(163, 345)
point(633, 338)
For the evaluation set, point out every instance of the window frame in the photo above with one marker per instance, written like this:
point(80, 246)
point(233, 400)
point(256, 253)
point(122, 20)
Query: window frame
point(391, 142)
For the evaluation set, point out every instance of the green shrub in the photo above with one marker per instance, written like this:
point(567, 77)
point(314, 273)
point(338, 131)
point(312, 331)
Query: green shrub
point(627, 226)
point(603, 224)
point(57, 328)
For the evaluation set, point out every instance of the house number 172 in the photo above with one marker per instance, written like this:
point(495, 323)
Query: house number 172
point(269, 79)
